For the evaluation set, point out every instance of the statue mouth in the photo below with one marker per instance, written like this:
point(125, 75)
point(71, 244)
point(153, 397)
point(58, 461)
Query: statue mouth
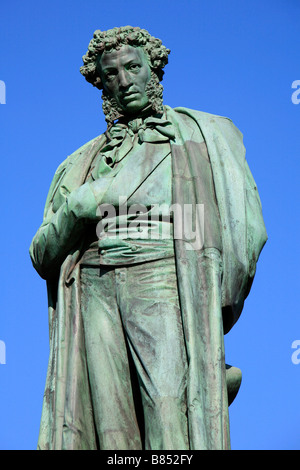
point(129, 96)
point(130, 93)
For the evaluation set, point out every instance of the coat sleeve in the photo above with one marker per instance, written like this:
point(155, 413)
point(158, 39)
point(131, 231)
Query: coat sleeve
point(63, 228)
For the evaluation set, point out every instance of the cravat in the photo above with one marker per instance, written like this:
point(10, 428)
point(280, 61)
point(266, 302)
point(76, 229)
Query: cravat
point(121, 136)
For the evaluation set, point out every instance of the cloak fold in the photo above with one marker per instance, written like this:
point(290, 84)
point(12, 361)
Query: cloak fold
point(213, 283)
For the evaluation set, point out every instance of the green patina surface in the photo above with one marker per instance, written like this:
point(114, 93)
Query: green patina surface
point(140, 296)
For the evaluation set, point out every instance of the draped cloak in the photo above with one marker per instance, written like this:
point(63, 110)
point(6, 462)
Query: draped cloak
point(209, 306)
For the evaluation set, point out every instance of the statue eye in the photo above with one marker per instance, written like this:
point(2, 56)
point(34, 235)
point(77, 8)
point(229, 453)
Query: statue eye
point(134, 67)
point(110, 74)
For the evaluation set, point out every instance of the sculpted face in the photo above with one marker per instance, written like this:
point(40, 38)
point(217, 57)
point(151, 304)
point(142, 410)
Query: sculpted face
point(125, 74)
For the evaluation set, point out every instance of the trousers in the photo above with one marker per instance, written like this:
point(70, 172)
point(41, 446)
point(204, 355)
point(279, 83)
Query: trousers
point(136, 355)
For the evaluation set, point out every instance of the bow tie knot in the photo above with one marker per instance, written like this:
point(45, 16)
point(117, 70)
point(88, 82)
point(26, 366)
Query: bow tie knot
point(150, 129)
point(121, 136)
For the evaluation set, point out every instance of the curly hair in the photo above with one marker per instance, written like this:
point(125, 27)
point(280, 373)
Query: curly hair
point(112, 39)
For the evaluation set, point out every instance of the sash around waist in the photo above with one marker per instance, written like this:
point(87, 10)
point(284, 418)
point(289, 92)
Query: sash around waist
point(117, 251)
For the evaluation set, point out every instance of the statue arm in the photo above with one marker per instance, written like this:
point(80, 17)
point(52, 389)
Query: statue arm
point(62, 230)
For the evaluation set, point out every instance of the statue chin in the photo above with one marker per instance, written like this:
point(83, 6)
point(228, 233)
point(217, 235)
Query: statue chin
point(134, 106)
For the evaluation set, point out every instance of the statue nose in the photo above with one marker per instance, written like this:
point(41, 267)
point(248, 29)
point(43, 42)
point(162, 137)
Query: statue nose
point(124, 79)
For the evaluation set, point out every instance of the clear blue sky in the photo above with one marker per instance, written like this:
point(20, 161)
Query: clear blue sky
point(233, 58)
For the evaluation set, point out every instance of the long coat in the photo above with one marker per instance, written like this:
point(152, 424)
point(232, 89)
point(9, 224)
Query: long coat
point(210, 305)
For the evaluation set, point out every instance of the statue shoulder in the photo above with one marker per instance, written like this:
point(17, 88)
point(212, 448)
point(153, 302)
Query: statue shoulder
point(210, 124)
point(201, 116)
point(68, 175)
point(79, 153)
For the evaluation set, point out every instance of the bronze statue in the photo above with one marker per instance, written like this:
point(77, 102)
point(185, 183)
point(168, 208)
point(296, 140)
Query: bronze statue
point(149, 244)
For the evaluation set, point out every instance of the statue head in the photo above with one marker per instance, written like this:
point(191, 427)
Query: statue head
point(127, 64)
